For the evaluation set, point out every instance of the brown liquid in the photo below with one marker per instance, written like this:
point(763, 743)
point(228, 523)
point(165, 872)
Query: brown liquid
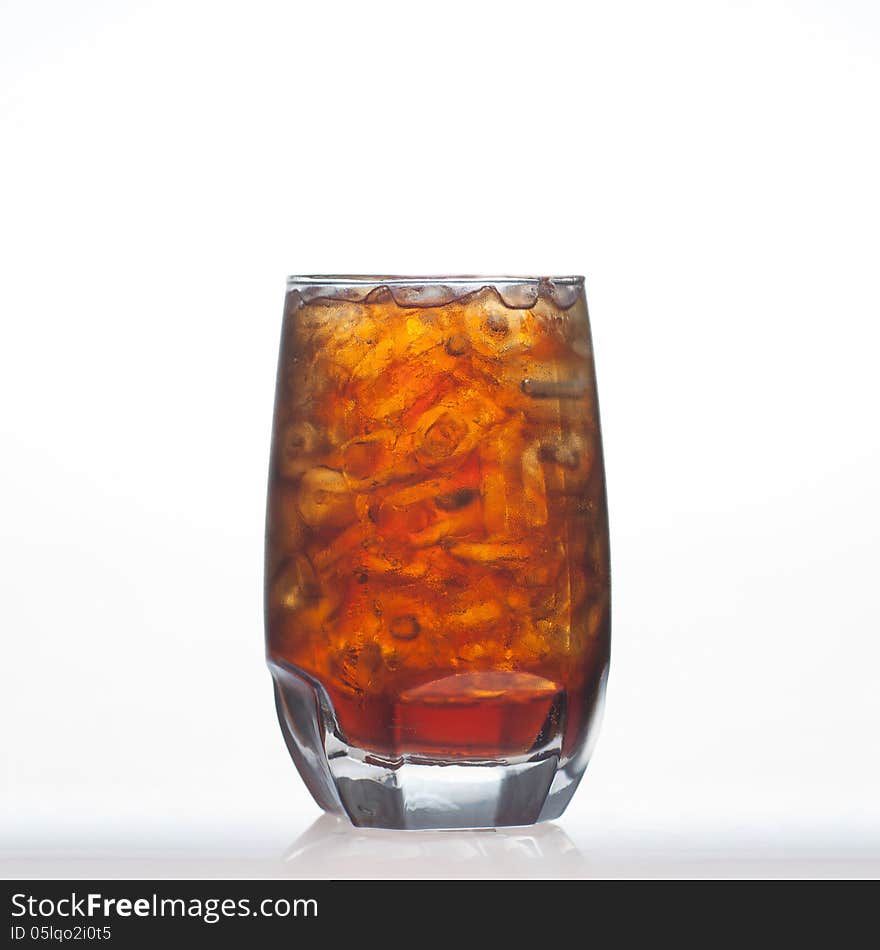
point(437, 547)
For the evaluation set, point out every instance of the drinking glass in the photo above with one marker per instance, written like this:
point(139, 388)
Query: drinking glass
point(437, 566)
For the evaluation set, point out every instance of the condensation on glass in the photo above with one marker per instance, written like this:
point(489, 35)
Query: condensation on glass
point(437, 567)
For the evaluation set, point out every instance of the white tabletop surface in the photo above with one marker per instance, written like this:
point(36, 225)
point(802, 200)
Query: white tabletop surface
point(711, 167)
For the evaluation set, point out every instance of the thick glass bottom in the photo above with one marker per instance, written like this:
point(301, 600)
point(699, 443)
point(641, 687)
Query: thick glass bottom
point(427, 789)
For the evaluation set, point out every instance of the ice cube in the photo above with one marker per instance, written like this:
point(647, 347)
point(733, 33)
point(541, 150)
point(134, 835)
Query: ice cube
point(358, 665)
point(497, 324)
point(324, 499)
point(534, 486)
point(501, 473)
point(490, 552)
point(458, 498)
point(446, 434)
point(375, 358)
point(295, 585)
point(442, 437)
point(404, 627)
point(340, 329)
point(457, 344)
point(297, 446)
point(405, 617)
point(369, 460)
point(465, 522)
point(403, 520)
point(287, 532)
point(326, 553)
point(406, 389)
point(542, 569)
point(474, 616)
point(573, 454)
point(421, 491)
point(543, 387)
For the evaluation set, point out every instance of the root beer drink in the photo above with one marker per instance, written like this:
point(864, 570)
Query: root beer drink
point(437, 553)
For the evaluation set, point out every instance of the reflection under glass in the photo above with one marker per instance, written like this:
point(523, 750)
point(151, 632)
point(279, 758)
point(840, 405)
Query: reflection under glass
point(332, 848)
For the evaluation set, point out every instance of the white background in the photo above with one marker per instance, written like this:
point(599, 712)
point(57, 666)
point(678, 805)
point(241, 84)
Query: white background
point(713, 169)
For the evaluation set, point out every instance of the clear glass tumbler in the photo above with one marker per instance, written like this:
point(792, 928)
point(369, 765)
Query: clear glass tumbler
point(437, 568)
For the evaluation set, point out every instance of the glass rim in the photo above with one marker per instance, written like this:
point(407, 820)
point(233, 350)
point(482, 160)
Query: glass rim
point(475, 280)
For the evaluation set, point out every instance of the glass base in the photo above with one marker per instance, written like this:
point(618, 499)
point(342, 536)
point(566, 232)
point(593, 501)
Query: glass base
point(421, 792)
